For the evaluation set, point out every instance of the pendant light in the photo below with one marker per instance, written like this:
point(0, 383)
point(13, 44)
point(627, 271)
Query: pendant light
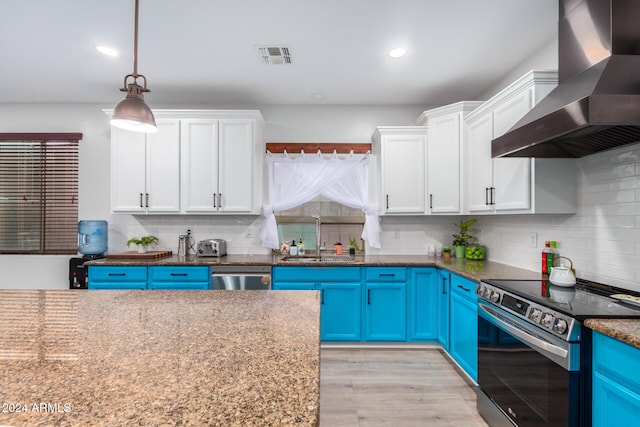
point(132, 113)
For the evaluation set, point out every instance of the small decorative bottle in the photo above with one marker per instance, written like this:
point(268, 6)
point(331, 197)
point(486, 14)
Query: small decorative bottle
point(293, 249)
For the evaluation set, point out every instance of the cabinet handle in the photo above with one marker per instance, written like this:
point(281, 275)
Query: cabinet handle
point(146, 200)
point(369, 296)
point(463, 288)
point(493, 195)
point(387, 201)
point(430, 201)
point(486, 196)
point(219, 200)
point(322, 296)
point(116, 274)
point(141, 201)
point(214, 200)
point(444, 286)
point(387, 275)
point(178, 274)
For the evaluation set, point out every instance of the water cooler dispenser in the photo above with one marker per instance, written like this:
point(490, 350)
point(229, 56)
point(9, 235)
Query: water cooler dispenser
point(92, 244)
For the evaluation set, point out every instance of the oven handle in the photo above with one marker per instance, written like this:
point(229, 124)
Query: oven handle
point(539, 344)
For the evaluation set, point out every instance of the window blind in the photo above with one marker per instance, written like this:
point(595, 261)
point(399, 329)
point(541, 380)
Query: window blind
point(39, 193)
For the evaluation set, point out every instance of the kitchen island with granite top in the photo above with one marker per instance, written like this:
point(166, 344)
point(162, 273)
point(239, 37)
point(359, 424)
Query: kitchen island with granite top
point(243, 358)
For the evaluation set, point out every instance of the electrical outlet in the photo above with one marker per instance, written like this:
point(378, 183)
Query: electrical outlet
point(533, 240)
point(188, 231)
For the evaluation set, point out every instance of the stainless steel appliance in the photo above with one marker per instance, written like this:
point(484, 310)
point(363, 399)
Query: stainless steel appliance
point(241, 277)
point(534, 355)
point(212, 247)
point(596, 105)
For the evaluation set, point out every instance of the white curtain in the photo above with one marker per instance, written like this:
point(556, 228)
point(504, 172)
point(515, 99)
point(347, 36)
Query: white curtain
point(294, 181)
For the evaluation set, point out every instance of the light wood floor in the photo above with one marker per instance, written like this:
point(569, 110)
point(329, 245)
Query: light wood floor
point(395, 388)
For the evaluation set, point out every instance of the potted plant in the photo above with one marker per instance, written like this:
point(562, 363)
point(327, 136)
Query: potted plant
point(143, 242)
point(446, 253)
point(353, 245)
point(463, 237)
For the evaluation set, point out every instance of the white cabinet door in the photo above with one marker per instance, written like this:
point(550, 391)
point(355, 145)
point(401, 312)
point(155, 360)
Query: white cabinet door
point(443, 162)
point(403, 158)
point(218, 166)
point(163, 168)
point(236, 166)
point(199, 165)
point(128, 171)
point(479, 165)
point(511, 176)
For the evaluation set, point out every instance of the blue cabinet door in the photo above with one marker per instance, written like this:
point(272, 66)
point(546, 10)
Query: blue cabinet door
point(463, 325)
point(293, 286)
point(117, 277)
point(386, 311)
point(423, 304)
point(340, 311)
point(171, 277)
point(616, 382)
point(443, 282)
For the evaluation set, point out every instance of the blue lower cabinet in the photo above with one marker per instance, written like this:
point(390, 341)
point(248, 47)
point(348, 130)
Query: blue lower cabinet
point(179, 278)
point(463, 325)
point(616, 382)
point(443, 282)
point(117, 277)
point(423, 304)
point(340, 311)
point(386, 311)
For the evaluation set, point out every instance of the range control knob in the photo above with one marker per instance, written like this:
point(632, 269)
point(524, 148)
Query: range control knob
point(494, 297)
point(480, 290)
point(487, 292)
point(560, 326)
point(547, 320)
point(535, 315)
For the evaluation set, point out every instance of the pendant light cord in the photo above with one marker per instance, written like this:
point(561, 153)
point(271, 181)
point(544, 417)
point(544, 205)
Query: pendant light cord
point(135, 42)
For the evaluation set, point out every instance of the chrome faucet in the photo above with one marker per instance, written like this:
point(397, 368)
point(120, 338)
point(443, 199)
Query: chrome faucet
point(317, 218)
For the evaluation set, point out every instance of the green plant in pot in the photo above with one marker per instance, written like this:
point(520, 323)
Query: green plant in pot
point(143, 242)
point(446, 252)
point(463, 237)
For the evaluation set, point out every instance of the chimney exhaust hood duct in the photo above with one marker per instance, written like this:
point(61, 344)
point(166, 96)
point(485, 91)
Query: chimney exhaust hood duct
point(596, 105)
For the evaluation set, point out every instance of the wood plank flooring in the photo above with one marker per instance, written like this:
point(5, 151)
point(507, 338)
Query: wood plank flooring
point(393, 388)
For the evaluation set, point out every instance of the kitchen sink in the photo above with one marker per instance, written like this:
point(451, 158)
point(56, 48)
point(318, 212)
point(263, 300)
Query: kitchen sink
point(315, 259)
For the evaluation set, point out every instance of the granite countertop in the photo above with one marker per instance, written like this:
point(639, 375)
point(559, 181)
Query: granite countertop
point(625, 330)
point(117, 358)
point(473, 270)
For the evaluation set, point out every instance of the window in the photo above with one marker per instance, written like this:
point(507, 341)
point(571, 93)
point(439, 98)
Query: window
point(39, 193)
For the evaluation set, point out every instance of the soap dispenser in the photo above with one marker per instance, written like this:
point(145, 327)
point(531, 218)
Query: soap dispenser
point(300, 247)
point(293, 249)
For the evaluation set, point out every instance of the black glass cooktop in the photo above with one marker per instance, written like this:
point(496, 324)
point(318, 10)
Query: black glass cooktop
point(585, 300)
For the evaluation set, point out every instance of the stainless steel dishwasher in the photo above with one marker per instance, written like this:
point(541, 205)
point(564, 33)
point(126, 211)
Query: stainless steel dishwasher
point(241, 277)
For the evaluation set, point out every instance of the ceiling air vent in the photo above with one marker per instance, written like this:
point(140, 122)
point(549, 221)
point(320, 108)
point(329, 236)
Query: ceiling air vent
point(274, 55)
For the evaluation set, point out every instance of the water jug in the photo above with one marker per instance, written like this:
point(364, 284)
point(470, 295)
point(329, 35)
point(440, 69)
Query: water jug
point(92, 237)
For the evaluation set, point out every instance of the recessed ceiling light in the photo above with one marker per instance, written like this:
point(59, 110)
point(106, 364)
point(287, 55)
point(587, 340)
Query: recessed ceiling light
point(317, 96)
point(106, 50)
point(397, 52)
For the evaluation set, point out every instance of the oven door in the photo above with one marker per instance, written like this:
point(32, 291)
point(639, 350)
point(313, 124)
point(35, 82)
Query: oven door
point(525, 375)
point(240, 281)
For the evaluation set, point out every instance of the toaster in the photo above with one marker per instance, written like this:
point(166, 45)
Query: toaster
point(212, 247)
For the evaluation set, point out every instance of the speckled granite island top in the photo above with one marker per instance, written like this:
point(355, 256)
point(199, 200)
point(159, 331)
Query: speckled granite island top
point(116, 358)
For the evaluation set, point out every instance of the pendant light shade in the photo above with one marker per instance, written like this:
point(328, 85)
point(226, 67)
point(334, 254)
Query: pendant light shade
point(132, 113)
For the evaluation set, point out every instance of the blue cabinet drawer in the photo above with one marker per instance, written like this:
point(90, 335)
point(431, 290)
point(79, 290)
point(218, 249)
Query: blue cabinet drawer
point(117, 286)
point(386, 274)
point(172, 273)
point(179, 286)
point(316, 274)
point(464, 288)
point(117, 273)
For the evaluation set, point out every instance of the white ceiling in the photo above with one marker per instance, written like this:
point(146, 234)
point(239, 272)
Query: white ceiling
point(205, 51)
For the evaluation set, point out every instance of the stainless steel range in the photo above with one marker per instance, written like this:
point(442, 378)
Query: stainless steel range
point(534, 354)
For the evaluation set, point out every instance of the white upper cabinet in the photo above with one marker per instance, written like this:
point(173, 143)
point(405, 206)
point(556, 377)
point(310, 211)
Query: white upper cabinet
point(221, 166)
point(514, 185)
point(444, 138)
point(401, 159)
point(199, 162)
point(145, 173)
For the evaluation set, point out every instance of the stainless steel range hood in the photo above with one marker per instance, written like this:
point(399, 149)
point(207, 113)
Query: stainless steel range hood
point(596, 105)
